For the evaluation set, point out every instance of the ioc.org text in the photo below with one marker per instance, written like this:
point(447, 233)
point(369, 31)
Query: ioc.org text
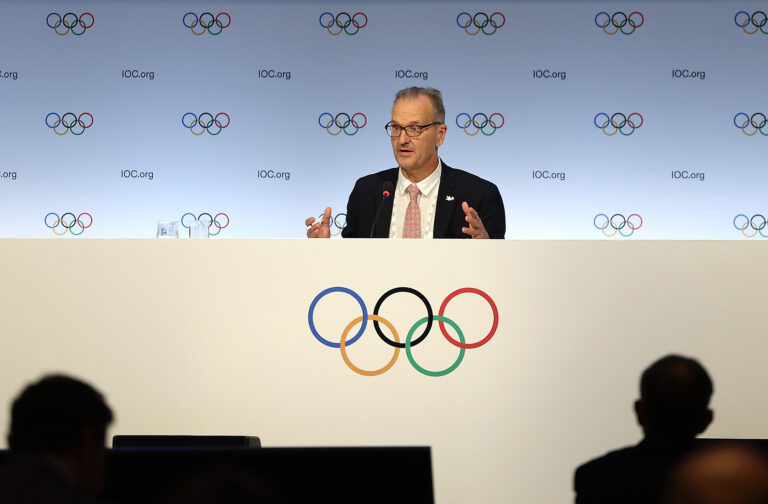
point(9, 75)
point(9, 175)
point(271, 174)
point(136, 74)
point(686, 175)
point(548, 175)
point(688, 74)
point(136, 174)
point(548, 74)
point(411, 74)
point(274, 74)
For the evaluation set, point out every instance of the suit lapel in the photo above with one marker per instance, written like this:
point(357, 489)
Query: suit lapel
point(446, 202)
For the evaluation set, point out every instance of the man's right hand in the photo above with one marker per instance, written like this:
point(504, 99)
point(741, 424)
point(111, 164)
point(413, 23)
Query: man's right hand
point(321, 228)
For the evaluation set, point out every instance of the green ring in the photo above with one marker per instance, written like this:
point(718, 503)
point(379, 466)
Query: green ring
point(217, 228)
point(489, 24)
point(82, 230)
point(631, 125)
point(410, 356)
point(631, 231)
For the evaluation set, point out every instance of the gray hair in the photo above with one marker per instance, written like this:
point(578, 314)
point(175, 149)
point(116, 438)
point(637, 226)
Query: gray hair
point(435, 96)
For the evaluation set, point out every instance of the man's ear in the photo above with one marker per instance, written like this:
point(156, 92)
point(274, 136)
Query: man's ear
point(641, 413)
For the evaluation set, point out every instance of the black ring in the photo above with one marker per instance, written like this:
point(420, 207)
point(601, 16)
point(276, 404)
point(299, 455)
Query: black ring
point(761, 225)
point(752, 120)
point(207, 25)
point(752, 18)
point(346, 23)
point(206, 124)
point(623, 221)
point(74, 220)
point(484, 24)
point(623, 121)
point(70, 124)
point(74, 23)
point(423, 300)
point(624, 21)
point(209, 215)
point(346, 123)
point(485, 121)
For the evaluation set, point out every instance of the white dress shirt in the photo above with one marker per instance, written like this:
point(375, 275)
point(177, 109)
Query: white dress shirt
point(427, 201)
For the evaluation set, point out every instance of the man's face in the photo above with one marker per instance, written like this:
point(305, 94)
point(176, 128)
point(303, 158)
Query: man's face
point(418, 154)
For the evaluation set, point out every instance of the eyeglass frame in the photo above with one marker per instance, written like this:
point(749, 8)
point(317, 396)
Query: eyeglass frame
point(421, 127)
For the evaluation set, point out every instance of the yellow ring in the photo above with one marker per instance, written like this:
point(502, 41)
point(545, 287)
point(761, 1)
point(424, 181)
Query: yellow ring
point(750, 32)
point(466, 125)
point(343, 346)
point(56, 225)
point(615, 230)
point(332, 33)
point(744, 128)
point(469, 32)
point(609, 134)
point(747, 225)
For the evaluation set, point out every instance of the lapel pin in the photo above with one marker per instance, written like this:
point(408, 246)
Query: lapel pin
point(449, 198)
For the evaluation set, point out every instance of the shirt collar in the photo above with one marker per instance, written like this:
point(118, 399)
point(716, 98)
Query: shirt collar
point(425, 186)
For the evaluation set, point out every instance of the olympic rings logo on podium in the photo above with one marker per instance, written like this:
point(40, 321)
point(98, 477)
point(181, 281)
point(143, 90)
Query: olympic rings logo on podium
point(751, 226)
point(480, 22)
point(216, 221)
point(758, 20)
point(750, 125)
point(206, 121)
point(69, 123)
point(206, 22)
point(342, 121)
point(70, 22)
point(338, 223)
point(480, 123)
point(343, 22)
point(410, 341)
point(75, 225)
point(618, 224)
point(619, 22)
point(618, 123)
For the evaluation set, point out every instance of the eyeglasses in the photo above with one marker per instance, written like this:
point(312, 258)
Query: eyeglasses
point(412, 131)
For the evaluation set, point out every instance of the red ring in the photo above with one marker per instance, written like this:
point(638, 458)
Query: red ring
point(216, 119)
point(219, 23)
point(502, 17)
point(636, 25)
point(639, 225)
point(502, 120)
point(81, 122)
point(216, 223)
point(355, 124)
point(79, 223)
point(80, 20)
point(495, 318)
point(641, 120)
point(356, 23)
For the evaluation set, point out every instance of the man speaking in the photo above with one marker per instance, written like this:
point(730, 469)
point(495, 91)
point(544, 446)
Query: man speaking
point(423, 197)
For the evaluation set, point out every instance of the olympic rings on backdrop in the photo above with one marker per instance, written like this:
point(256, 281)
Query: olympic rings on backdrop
point(216, 221)
point(69, 122)
point(619, 22)
point(336, 222)
point(480, 122)
point(343, 22)
point(68, 224)
point(618, 122)
point(70, 22)
point(205, 122)
point(758, 20)
point(206, 22)
point(480, 22)
point(342, 121)
point(396, 342)
point(751, 226)
point(617, 223)
point(750, 125)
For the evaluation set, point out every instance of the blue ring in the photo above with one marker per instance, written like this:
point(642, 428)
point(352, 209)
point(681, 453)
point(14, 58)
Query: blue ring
point(60, 19)
point(749, 19)
point(737, 124)
point(320, 19)
point(45, 219)
point(607, 118)
point(466, 25)
point(606, 24)
point(182, 218)
point(745, 225)
point(321, 116)
point(184, 17)
point(469, 120)
point(57, 122)
point(312, 312)
point(193, 121)
point(594, 223)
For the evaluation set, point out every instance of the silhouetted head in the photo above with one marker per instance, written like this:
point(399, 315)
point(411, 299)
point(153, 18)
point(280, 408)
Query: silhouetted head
point(726, 474)
point(674, 399)
point(65, 420)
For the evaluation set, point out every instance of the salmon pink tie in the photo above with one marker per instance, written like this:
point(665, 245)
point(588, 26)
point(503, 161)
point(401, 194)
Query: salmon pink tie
point(412, 228)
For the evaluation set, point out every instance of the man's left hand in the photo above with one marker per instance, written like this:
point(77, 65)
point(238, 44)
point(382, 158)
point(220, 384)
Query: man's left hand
point(476, 228)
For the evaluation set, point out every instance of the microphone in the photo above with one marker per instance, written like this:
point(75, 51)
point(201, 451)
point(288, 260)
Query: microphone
point(386, 191)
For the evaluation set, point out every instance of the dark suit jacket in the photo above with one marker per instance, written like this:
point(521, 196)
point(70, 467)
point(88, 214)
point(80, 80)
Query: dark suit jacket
point(455, 186)
point(633, 475)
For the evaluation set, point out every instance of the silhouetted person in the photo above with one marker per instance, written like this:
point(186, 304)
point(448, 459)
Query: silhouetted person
point(672, 410)
point(724, 474)
point(57, 444)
